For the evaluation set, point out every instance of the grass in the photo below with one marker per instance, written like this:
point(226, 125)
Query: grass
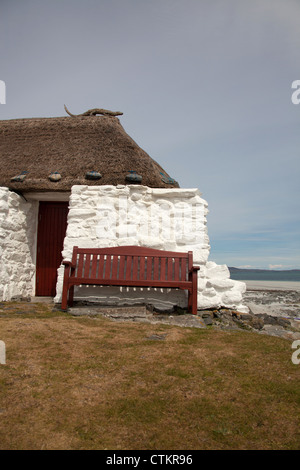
point(91, 383)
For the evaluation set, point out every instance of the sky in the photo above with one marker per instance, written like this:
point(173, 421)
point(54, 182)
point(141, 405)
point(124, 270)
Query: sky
point(206, 90)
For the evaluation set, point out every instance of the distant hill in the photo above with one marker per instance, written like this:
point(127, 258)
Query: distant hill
point(264, 275)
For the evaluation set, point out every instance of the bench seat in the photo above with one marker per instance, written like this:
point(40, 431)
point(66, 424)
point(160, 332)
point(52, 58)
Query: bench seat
point(130, 266)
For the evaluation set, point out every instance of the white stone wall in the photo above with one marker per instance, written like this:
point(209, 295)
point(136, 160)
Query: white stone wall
point(167, 219)
point(18, 220)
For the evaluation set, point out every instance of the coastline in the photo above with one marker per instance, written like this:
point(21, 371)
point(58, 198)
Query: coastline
point(276, 298)
point(272, 285)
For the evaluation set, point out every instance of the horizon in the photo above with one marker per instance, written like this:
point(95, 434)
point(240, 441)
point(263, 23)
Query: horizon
point(206, 89)
point(262, 269)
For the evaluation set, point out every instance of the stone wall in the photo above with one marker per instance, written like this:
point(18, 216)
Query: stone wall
point(18, 220)
point(167, 219)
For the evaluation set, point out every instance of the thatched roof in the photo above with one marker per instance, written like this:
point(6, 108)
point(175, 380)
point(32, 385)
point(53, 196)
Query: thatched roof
point(72, 147)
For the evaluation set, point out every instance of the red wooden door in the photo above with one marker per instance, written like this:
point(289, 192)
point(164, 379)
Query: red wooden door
point(52, 224)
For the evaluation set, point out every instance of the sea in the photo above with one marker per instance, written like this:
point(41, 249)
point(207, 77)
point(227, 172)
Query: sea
point(292, 275)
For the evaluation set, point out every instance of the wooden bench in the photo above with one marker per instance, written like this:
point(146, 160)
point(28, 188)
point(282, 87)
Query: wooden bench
point(132, 266)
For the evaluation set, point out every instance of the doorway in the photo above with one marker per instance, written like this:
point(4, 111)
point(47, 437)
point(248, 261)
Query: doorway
point(52, 225)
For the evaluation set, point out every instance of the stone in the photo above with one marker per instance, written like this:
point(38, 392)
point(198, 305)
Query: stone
point(93, 175)
point(133, 177)
point(256, 323)
point(217, 271)
point(245, 317)
point(18, 231)
point(54, 177)
point(19, 178)
point(283, 322)
point(208, 320)
point(231, 298)
point(222, 284)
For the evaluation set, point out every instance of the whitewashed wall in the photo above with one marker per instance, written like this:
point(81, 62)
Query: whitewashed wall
point(18, 220)
point(167, 219)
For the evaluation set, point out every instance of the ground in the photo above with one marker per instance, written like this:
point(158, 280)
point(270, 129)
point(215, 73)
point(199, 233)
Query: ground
point(73, 382)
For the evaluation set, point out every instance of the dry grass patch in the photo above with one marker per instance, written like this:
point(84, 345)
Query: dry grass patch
point(91, 383)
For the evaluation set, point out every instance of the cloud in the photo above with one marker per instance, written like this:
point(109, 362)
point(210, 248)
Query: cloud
point(205, 88)
point(247, 266)
point(276, 266)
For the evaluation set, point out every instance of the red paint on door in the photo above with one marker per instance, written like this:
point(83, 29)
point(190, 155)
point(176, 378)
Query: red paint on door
point(52, 225)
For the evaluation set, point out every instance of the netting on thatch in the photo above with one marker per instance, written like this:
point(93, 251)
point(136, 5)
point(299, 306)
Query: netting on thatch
point(72, 148)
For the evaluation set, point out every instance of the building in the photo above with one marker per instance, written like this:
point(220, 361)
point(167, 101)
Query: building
point(83, 181)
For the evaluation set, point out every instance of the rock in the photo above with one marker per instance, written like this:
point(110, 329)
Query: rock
point(279, 331)
point(246, 317)
point(224, 311)
point(208, 320)
point(271, 320)
point(179, 310)
point(207, 314)
point(267, 319)
point(164, 310)
point(256, 323)
point(283, 322)
point(55, 177)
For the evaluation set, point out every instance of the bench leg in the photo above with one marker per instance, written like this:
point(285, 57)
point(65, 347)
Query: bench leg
point(71, 296)
point(64, 300)
point(190, 301)
point(194, 293)
point(194, 302)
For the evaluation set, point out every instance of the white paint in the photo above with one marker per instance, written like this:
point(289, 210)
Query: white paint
point(18, 220)
point(103, 216)
point(167, 219)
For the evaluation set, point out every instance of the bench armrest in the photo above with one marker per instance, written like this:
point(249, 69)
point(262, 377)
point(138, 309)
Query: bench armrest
point(69, 264)
point(194, 268)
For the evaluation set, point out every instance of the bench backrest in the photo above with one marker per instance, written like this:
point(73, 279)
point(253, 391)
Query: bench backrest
point(131, 263)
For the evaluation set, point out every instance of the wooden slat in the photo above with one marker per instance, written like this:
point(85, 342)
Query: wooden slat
point(183, 269)
point(156, 268)
point(149, 267)
point(130, 282)
point(101, 266)
point(163, 262)
point(128, 267)
point(107, 267)
point(176, 269)
point(133, 251)
point(142, 268)
point(87, 266)
point(115, 265)
point(80, 265)
point(121, 267)
point(190, 258)
point(135, 267)
point(94, 267)
point(170, 269)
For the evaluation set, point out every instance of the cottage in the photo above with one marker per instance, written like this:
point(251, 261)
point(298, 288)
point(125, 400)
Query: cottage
point(82, 181)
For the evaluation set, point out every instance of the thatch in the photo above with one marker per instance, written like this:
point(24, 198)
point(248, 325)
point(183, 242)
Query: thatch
point(72, 147)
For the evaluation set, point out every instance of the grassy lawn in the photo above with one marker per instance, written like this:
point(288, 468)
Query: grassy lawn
point(91, 383)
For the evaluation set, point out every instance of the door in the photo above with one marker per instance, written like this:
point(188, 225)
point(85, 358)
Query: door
point(52, 225)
